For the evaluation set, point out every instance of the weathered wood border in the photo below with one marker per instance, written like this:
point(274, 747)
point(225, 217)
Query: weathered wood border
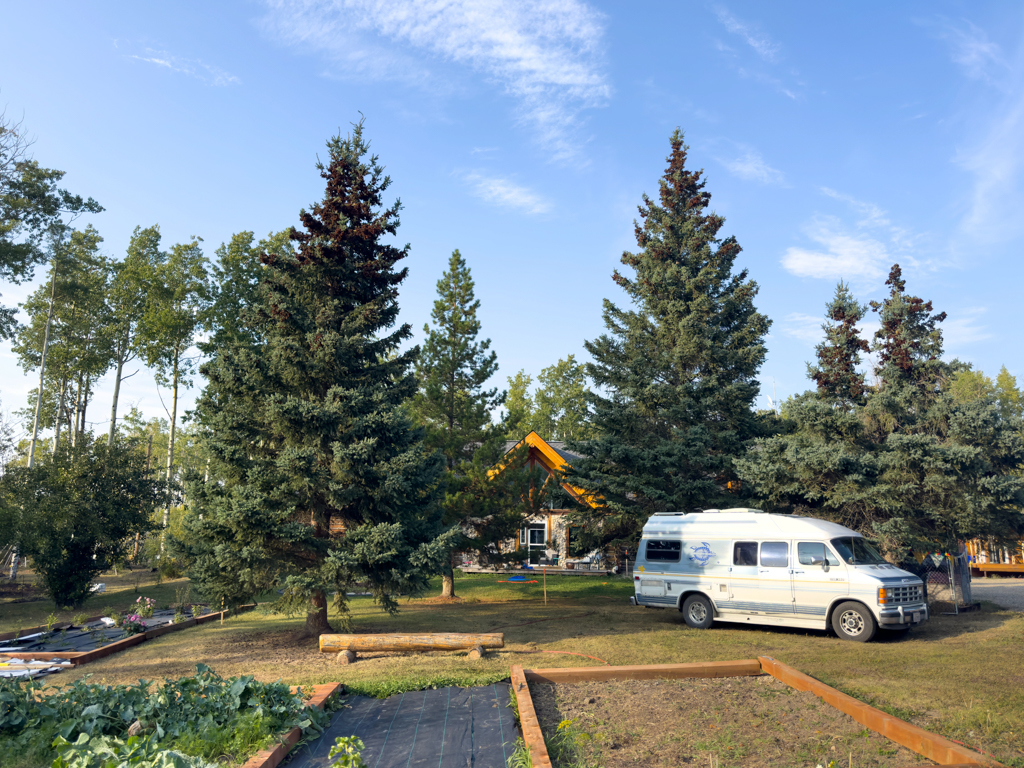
point(77, 658)
point(273, 757)
point(934, 747)
point(929, 745)
point(533, 737)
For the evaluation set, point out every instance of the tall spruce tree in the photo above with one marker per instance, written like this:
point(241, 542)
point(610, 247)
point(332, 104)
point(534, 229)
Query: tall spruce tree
point(455, 410)
point(323, 479)
point(836, 373)
point(917, 463)
point(676, 373)
point(454, 366)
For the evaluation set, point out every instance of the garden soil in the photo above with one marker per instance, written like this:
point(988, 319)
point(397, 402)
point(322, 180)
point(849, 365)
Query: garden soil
point(752, 722)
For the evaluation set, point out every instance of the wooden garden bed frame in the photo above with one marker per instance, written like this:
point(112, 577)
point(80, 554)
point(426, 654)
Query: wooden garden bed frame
point(77, 658)
point(942, 751)
point(273, 757)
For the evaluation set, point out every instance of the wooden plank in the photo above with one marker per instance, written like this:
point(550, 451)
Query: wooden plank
point(273, 757)
point(934, 747)
point(435, 641)
point(645, 672)
point(164, 629)
point(533, 736)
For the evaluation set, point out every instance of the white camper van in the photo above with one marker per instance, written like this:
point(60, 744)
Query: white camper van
point(746, 566)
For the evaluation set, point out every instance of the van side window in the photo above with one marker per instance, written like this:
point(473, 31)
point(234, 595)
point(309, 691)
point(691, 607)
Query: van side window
point(815, 553)
point(663, 551)
point(744, 553)
point(775, 554)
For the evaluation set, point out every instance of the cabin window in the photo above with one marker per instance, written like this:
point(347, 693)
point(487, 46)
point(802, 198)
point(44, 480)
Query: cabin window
point(533, 535)
point(664, 551)
point(744, 553)
point(775, 554)
point(815, 553)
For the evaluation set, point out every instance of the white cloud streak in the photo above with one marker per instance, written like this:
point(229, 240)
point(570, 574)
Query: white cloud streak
point(765, 47)
point(861, 253)
point(996, 160)
point(806, 328)
point(980, 58)
point(192, 67)
point(546, 55)
point(965, 328)
point(842, 255)
point(506, 193)
point(751, 166)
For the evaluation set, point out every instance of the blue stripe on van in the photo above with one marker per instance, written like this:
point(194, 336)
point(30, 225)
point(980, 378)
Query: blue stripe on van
point(803, 610)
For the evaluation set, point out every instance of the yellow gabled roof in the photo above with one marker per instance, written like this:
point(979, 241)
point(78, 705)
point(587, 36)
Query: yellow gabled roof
point(552, 461)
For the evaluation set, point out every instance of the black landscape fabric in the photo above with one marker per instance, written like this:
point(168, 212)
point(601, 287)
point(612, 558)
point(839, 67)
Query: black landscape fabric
point(442, 728)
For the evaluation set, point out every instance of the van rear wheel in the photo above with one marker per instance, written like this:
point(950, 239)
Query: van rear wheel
point(852, 621)
point(697, 612)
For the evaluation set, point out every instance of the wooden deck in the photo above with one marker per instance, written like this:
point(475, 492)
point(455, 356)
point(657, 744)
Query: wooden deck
point(984, 569)
point(539, 571)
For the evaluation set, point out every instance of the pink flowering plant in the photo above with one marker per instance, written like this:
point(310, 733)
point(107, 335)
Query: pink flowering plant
point(132, 624)
point(144, 607)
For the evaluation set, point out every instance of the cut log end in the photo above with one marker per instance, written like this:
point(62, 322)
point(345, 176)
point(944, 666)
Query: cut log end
point(477, 652)
point(346, 657)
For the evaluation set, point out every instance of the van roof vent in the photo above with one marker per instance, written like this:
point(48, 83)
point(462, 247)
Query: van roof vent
point(745, 509)
point(706, 511)
point(668, 514)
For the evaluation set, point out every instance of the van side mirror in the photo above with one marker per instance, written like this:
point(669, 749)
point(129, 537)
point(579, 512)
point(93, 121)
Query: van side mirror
point(824, 565)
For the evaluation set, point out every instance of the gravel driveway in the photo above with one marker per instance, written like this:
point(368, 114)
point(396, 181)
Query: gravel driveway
point(1009, 593)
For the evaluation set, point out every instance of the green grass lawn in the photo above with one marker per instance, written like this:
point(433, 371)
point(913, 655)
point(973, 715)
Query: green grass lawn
point(121, 590)
point(961, 676)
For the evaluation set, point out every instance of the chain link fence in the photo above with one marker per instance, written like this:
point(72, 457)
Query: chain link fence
point(947, 578)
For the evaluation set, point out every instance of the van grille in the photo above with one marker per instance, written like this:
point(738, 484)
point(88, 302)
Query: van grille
point(909, 594)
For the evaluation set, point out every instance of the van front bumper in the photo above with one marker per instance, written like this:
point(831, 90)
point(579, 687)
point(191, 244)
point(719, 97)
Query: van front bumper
point(902, 615)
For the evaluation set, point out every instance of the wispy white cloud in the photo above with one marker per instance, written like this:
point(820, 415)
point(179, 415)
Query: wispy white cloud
point(860, 252)
point(192, 67)
point(547, 55)
point(841, 255)
point(806, 328)
point(765, 47)
point(995, 154)
point(964, 328)
point(506, 193)
point(750, 165)
point(970, 47)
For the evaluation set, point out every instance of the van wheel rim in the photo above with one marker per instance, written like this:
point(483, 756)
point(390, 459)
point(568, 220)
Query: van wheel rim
point(852, 622)
point(698, 612)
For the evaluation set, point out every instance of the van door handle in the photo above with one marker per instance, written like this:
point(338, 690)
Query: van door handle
point(798, 571)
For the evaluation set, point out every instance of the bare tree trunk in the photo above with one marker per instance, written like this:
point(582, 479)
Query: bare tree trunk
point(85, 402)
point(316, 619)
point(448, 578)
point(60, 414)
point(42, 371)
point(117, 392)
point(149, 463)
point(78, 408)
point(170, 451)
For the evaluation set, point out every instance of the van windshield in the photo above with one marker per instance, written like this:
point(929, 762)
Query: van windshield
point(856, 551)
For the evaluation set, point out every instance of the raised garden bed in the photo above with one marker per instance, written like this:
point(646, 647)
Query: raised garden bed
point(749, 721)
point(715, 713)
point(94, 639)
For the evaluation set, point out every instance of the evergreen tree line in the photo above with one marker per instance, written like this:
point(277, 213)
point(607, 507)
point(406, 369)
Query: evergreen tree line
point(327, 452)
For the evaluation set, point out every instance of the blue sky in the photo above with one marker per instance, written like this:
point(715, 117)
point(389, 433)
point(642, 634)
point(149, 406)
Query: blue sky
point(837, 139)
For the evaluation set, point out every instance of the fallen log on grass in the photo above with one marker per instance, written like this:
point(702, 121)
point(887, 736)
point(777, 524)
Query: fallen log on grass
point(436, 641)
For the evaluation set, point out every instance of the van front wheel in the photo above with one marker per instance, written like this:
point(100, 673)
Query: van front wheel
point(852, 621)
point(697, 612)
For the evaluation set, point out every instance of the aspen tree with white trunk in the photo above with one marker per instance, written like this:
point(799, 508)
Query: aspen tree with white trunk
point(176, 303)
